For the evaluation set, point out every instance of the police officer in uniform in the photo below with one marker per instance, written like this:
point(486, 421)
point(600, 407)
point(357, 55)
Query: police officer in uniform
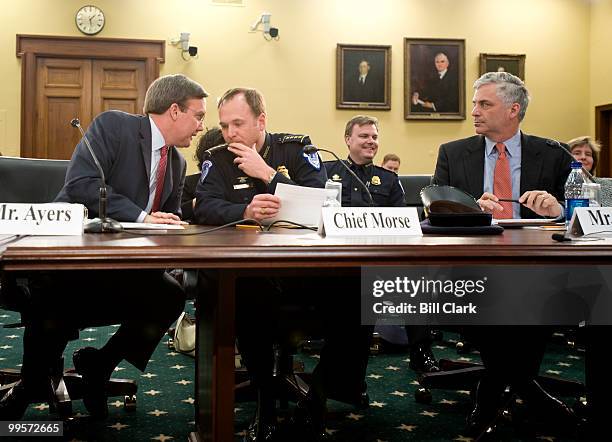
point(361, 137)
point(238, 182)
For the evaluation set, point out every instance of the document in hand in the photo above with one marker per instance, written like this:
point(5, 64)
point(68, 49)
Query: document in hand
point(300, 204)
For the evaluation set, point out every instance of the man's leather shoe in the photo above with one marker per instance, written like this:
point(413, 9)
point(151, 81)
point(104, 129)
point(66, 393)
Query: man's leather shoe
point(87, 363)
point(422, 360)
point(14, 403)
point(482, 420)
point(260, 431)
point(308, 422)
point(547, 408)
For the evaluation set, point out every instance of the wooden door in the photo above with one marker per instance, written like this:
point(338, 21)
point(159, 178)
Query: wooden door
point(68, 77)
point(64, 92)
point(603, 133)
point(118, 84)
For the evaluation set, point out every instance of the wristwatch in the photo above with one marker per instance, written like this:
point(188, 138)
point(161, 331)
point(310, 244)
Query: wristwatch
point(272, 175)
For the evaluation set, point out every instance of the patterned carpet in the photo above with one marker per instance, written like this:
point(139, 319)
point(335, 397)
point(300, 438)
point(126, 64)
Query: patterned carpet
point(164, 409)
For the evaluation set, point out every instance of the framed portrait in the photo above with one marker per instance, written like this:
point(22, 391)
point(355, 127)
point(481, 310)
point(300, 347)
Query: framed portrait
point(434, 79)
point(513, 63)
point(363, 77)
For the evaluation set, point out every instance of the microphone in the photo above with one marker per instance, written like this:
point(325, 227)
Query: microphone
point(103, 223)
point(308, 149)
point(209, 152)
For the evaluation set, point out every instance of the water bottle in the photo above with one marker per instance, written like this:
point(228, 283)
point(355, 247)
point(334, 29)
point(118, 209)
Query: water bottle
point(337, 186)
point(573, 191)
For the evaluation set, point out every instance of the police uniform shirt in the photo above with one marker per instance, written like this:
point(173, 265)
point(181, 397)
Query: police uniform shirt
point(224, 190)
point(384, 185)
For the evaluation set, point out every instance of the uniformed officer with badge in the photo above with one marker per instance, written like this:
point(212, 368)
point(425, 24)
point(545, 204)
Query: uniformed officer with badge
point(361, 137)
point(238, 182)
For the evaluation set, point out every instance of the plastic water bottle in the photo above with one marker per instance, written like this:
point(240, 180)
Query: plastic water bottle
point(337, 186)
point(573, 191)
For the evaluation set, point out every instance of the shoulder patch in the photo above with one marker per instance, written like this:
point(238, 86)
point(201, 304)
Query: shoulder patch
point(206, 165)
point(313, 160)
point(301, 139)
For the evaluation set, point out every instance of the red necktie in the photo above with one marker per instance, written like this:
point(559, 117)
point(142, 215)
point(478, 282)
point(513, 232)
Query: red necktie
point(160, 177)
point(502, 182)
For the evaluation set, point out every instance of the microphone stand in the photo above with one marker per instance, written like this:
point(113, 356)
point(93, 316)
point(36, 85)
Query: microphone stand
point(311, 149)
point(103, 224)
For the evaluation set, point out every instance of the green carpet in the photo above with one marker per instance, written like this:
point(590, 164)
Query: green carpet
point(166, 394)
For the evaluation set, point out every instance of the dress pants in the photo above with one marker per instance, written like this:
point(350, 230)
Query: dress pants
point(144, 302)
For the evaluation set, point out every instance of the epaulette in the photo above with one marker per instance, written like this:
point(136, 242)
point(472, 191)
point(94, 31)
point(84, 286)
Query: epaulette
point(289, 138)
point(383, 170)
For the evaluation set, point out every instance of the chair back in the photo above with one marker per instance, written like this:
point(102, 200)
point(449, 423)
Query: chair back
point(31, 180)
point(412, 185)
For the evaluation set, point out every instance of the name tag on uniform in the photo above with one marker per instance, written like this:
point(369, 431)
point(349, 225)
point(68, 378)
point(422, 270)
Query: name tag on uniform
point(241, 186)
point(370, 221)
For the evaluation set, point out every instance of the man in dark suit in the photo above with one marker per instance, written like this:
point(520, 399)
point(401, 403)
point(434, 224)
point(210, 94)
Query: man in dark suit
point(503, 162)
point(441, 92)
point(364, 87)
point(144, 178)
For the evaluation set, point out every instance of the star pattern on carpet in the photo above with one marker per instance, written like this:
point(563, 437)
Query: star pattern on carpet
point(377, 404)
point(172, 353)
point(162, 438)
point(189, 400)
point(466, 392)
point(392, 368)
point(12, 336)
point(447, 402)
point(118, 426)
point(398, 393)
point(183, 382)
point(461, 438)
point(157, 413)
point(564, 364)
point(118, 368)
point(6, 347)
point(428, 413)
point(557, 372)
point(152, 392)
point(178, 367)
point(375, 376)
point(354, 416)
point(546, 438)
point(330, 431)
point(116, 404)
point(88, 339)
point(41, 407)
point(405, 427)
point(148, 375)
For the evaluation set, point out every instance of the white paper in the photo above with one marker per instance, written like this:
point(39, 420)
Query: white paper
point(149, 226)
point(520, 222)
point(300, 204)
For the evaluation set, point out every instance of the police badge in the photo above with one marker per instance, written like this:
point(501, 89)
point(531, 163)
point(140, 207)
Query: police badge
point(206, 165)
point(376, 180)
point(313, 160)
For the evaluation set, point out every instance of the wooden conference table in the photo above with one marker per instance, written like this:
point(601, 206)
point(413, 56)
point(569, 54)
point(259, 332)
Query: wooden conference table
point(235, 252)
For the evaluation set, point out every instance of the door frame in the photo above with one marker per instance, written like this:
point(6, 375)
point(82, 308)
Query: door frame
point(603, 116)
point(30, 47)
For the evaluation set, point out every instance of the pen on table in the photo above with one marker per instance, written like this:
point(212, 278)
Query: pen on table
point(506, 200)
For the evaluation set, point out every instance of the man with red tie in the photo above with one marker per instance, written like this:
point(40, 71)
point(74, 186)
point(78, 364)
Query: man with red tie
point(144, 179)
point(503, 163)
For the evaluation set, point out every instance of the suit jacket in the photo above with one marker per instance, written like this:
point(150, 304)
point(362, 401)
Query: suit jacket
point(544, 166)
point(122, 144)
point(372, 91)
point(191, 182)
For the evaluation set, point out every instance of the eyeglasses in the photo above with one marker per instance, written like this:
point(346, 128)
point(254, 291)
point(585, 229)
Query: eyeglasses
point(198, 115)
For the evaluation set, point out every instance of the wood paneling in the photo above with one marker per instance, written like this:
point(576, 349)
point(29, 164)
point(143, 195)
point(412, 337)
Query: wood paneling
point(68, 77)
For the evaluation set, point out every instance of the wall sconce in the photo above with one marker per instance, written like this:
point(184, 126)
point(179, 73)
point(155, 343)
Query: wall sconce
point(269, 33)
point(187, 52)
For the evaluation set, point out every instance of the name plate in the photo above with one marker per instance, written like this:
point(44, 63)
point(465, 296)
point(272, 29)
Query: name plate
point(370, 221)
point(591, 220)
point(41, 219)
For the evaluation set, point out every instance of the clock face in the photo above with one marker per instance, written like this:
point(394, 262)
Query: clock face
point(89, 19)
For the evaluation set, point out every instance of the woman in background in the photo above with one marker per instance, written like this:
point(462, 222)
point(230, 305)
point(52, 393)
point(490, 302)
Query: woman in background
point(586, 150)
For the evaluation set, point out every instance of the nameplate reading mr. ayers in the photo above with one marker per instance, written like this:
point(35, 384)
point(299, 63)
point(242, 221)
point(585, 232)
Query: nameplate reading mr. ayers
point(41, 219)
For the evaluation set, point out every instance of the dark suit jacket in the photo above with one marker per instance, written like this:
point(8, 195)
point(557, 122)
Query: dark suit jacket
point(544, 166)
point(372, 91)
point(122, 143)
point(444, 93)
point(191, 182)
